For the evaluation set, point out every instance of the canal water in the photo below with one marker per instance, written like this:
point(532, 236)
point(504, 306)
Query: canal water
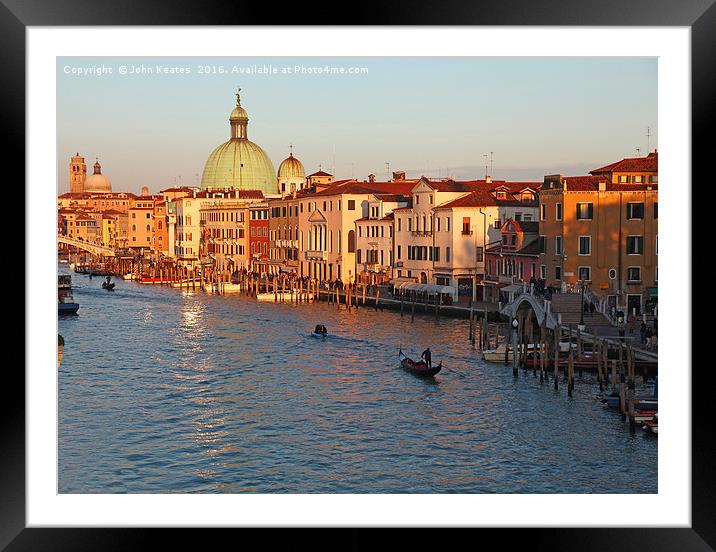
point(165, 391)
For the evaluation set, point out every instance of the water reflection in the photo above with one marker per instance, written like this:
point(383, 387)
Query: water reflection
point(222, 394)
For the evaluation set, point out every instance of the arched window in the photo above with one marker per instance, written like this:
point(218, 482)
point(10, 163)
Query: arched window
point(351, 241)
point(148, 228)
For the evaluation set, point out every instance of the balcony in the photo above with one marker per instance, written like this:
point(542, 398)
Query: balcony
point(421, 233)
point(316, 255)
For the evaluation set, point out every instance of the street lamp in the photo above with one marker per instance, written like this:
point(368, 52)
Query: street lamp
point(515, 325)
point(581, 311)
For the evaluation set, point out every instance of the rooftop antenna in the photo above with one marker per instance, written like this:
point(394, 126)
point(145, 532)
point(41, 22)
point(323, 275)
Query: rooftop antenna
point(387, 171)
point(485, 156)
point(648, 136)
point(491, 173)
point(638, 152)
point(428, 162)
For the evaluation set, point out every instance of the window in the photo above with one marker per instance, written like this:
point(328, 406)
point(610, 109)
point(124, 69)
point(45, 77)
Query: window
point(585, 211)
point(638, 179)
point(543, 212)
point(351, 204)
point(358, 256)
point(543, 272)
point(585, 245)
point(399, 253)
point(557, 272)
point(478, 254)
point(399, 225)
point(410, 224)
point(634, 274)
point(635, 210)
point(558, 245)
point(542, 245)
point(351, 241)
point(635, 245)
point(447, 254)
point(623, 179)
point(559, 211)
point(585, 273)
point(653, 179)
point(656, 209)
point(466, 225)
point(447, 224)
point(437, 221)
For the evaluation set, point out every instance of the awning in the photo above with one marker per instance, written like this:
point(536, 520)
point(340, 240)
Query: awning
point(512, 288)
point(431, 289)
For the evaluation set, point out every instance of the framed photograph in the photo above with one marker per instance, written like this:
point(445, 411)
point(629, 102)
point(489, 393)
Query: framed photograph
point(394, 275)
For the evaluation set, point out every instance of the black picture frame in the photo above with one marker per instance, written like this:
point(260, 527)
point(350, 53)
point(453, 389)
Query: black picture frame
point(699, 15)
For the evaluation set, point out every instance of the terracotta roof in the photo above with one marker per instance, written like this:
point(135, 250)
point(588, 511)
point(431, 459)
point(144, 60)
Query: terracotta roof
point(650, 163)
point(396, 187)
point(320, 173)
point(591, 184)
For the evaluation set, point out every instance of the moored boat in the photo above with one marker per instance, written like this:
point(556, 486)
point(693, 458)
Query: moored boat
point(65, 301)
point(419, 368)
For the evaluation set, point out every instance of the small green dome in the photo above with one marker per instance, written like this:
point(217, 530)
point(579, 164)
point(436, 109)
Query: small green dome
point(291, 168)
point(239, 163)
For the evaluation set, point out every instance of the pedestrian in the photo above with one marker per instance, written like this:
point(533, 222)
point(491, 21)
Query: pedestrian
point(547, 299)
point(428, 357)
point(632, 323)
point(649, 334)
point(642, 332)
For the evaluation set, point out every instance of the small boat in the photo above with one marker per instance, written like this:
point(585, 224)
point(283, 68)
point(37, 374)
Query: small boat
point(419, 368)
point(314, 333)
point(651, 426)
point(65, 302)
point(612, 401)
point(641, 416)
point(319, 331)
point(108, 285)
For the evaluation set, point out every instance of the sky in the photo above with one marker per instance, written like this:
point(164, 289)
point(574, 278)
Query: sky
point(438, 116)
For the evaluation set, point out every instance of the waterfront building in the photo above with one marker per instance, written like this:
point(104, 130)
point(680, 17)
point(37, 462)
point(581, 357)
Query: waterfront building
point(187, 230)
point(283, 235)
point(513, 260)
point(97, 182)
point(160, 241)
point(327, 214)
point(239, 163)
point(465, 226)
point(258, 234)
point(78, 173)
point(224, 227)
point(82, 225)
point(114, 228)
point(140, 226)
point(374, 238)
point(602, 230)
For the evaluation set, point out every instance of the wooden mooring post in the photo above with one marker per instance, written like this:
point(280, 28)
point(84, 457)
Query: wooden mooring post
point(557, 334)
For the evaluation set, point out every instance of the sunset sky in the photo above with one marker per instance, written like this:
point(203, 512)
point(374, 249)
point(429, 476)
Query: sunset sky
point(432, 116)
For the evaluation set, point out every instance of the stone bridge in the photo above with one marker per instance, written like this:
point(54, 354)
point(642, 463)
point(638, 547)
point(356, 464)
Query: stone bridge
point(532, 302)
point(89, 247)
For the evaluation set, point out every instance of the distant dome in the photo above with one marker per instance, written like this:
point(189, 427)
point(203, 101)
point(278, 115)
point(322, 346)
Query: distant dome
point(97, 182)
point(291, 168)
point(239, 163)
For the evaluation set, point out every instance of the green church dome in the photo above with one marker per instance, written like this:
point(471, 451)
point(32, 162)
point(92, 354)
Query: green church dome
point(239, 163)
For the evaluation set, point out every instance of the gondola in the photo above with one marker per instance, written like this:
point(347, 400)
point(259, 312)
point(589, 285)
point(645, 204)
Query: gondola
point(108, 285)
point(314, 333)
point(419, 368)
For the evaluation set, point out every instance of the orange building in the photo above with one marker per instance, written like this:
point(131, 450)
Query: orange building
point(602, 230)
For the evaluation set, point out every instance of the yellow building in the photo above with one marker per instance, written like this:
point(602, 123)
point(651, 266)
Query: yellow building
point(602, 230)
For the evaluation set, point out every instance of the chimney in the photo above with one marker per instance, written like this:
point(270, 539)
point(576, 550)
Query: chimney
point(602, 185)
point(371, 178)
point(399, 175)
point(488, 179)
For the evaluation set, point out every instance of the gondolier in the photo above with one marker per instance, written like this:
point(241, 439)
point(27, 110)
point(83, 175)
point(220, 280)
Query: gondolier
point(428, 357)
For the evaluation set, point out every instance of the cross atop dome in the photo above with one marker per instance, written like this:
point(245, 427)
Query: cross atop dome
point(238, 97)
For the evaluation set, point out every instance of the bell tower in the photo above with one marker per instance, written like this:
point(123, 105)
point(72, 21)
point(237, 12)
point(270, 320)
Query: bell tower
point(78, 173)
